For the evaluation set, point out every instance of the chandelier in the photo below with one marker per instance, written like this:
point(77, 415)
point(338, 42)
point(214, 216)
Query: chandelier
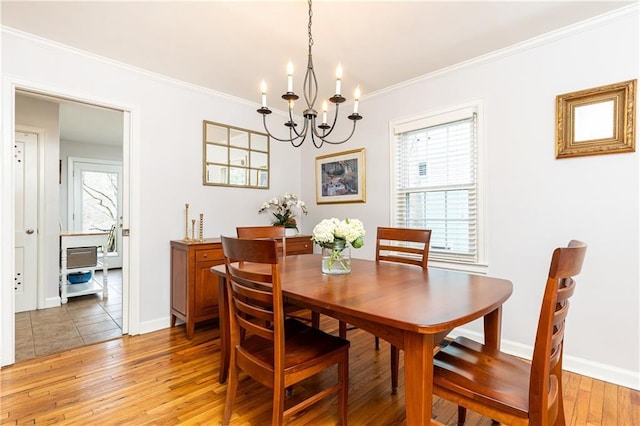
point(319, 132)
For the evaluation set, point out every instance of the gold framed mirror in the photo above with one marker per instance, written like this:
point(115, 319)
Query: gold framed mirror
point(596, 121)
point(233, 156)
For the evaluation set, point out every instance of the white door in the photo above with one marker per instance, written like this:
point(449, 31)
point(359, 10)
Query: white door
point(95, 202)
point(26, 220)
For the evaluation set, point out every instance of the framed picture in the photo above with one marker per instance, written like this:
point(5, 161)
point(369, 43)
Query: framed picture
point(596, 121)
point(340, 177)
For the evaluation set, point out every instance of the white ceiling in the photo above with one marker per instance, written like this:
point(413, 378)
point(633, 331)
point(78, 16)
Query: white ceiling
point(230, 46)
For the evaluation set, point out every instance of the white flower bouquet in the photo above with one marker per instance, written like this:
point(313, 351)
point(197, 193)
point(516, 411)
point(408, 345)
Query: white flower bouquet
point(335, 235)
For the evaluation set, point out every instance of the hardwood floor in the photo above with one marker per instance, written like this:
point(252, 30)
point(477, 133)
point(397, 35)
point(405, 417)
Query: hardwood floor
point(162, 378)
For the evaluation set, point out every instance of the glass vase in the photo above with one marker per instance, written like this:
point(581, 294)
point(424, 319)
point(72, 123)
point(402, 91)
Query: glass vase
point(336, 258)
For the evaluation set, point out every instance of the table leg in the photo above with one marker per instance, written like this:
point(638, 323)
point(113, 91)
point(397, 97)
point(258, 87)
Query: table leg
point(418, 376)
point(225, 332)
point(493, 328)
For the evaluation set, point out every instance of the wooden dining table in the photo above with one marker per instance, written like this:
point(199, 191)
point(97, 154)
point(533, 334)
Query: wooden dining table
point(407, 306)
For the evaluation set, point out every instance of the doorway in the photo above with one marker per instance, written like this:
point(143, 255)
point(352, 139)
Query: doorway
point(95, 201)
point(60, 151)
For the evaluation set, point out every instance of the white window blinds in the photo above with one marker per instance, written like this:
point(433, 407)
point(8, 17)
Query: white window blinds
point(436, 182)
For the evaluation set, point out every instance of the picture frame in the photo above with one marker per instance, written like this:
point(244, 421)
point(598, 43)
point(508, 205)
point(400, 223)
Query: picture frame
point(341, 178)
point(595, 121)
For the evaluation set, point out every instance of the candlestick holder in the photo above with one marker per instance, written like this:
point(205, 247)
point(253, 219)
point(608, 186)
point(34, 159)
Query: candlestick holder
point(186, 222)
point(193, 229)
point(201, 232)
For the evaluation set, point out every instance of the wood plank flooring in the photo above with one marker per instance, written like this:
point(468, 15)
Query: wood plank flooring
point(162, 378)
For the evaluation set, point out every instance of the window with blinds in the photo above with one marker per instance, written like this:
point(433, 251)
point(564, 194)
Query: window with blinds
point(436, 182)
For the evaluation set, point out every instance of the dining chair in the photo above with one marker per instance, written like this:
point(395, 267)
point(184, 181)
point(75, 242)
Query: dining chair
point(286, 351)
point(504, 387)
point(278, 232)
point(275, 232)
point(399, 245)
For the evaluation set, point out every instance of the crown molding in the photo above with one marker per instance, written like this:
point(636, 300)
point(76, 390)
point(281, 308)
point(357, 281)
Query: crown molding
point(122, 65)
point(517, 48)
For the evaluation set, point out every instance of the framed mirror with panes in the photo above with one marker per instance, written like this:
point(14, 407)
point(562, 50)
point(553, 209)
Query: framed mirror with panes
point(233, 156)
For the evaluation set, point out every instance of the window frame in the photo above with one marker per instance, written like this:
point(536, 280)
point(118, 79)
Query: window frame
point(434, 118)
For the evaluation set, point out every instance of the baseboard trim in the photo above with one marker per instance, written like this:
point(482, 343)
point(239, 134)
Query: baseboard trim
point(596, 370)
point(51, 302)
point(154, 325)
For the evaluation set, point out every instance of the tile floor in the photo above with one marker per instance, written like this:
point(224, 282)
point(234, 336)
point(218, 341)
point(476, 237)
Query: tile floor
point(81, 321)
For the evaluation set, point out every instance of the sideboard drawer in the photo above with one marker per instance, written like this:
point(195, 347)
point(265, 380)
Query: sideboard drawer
point(211, 254)
point(300, 244)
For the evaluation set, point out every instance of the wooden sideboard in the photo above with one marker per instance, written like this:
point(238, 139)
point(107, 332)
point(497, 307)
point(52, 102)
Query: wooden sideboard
point(194, 289)
point(194, 293)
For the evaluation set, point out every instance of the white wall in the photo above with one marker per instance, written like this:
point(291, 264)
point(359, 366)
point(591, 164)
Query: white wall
point(534, 202)
point(166, 160)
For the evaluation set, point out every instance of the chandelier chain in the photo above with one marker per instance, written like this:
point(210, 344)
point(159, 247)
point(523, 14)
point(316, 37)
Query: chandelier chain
point(309, 26)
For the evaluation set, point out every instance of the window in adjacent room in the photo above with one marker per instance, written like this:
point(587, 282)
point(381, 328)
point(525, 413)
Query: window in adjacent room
point(436, 184)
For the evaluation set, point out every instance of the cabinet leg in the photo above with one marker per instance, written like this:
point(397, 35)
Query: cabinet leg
point(191, 328)
point(173, 320)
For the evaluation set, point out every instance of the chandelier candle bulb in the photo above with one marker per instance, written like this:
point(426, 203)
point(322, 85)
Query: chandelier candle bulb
point(339, 79)
point(325, 107)
point(356, 100)
point(263, 89)
point(290, 77)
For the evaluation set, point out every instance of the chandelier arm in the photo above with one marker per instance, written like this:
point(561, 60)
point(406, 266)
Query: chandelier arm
point(304, 135)
point(292, 127)
point(326, 132)
point(264, 121)
point(315, 143)
point(344, 140)
point(314, 135)
point(297, 145)
point(303, 132)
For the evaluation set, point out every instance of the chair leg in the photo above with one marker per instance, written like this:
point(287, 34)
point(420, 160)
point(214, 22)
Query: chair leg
point(277, 415)
point(462, 415)
point(377, 343)
point(315, 319)
point(395, 361)
point(557, 371)
point(342, 329)
point(343, 395)
point(232, 386)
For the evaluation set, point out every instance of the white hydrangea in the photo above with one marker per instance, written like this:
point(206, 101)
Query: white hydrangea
point(328, 230)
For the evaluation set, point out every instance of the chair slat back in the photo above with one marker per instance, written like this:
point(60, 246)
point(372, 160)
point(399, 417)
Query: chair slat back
point(546, 367)
point(263, 232)
point(403, 245)
point(253, 285)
